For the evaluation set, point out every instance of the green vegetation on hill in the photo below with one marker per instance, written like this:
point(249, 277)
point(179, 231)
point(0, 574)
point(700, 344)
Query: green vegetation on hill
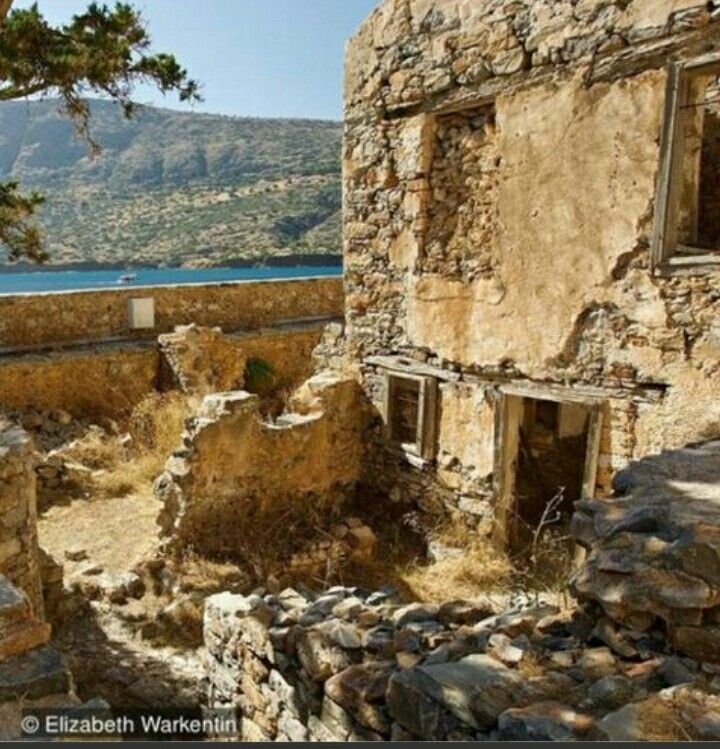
point(173, 188)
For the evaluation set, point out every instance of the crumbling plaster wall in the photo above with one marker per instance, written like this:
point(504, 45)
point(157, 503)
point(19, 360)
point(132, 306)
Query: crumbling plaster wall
point(236, 465)
point(573, 98)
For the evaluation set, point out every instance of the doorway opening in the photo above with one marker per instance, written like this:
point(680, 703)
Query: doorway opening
point(547, 460)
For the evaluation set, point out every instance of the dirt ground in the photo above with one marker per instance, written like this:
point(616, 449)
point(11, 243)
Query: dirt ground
point(116, 532)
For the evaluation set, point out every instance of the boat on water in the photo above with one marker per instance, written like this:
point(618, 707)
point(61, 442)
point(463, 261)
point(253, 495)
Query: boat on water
point(127, 277)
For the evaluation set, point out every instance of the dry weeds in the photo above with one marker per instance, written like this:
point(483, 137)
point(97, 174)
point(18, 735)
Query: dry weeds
point(154, 427)
point(481, 568)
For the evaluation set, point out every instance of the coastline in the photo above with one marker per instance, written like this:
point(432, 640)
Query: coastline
point(285, 261)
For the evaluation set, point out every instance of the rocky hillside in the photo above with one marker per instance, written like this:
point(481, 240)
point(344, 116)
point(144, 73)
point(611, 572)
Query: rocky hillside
point(173, 188)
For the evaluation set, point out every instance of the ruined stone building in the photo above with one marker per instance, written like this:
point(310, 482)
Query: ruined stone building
point(532, 246)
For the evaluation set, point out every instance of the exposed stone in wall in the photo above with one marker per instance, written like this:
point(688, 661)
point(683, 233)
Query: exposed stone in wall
point(235, 465)
point(462, 210)
point(463, 50)
point(460, 479)
point(52, 318)
point(203, 360)
point(19, 560)
point(500, 165)
point(20, 631)
point(32, 674)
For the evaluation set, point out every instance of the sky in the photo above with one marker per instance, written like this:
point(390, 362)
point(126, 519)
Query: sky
point(254, 58)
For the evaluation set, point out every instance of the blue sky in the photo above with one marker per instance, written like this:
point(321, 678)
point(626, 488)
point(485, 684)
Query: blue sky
point(259, 58)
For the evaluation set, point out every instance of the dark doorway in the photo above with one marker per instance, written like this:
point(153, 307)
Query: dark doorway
point(550, 467)
point(549, 457)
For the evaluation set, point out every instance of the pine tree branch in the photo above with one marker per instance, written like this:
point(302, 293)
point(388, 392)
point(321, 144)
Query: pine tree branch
point(104, 50)
point(5, 6)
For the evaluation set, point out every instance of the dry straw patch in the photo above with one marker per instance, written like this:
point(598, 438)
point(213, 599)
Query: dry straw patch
point(155, 428)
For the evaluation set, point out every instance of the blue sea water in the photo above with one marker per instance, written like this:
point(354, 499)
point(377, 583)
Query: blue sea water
point(73, 280)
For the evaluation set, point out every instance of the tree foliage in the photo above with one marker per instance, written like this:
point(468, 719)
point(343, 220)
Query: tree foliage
point(103, 51)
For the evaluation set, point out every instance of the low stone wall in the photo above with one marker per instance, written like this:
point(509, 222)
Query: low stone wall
point(91, 382)
point(19, 556)
point(52, 318)
point(109, 380)
point(348, 665)
point(234, 464)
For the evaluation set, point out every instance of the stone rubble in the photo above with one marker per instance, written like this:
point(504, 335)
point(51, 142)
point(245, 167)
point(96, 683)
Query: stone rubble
point(653, 563)
point(349, 664)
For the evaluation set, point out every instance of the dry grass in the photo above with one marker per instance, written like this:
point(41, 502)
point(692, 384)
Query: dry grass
point(481, 568)
point(96, 449)
point(662, 720)
point(155, 427)
point(196, 573)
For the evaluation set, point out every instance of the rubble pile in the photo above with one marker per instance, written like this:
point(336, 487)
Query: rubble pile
point(353, 665)
point(653, 564)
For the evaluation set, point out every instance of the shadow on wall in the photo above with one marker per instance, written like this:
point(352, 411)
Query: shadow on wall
point(654, 551)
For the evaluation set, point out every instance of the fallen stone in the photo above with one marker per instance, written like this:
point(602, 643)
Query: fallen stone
point(415, 612)
point(359, 690)
point(319, 654)
point(595, 663)
point(362, 540)
point(349, 608)
point(465, 612)
point(344, 635)
point(543, 721)
point(674, 672)
point(624, 724)
point(37, 673)
point(414, 710)
point(612, 691)
point(291, 727)
point(475, 689)
point(291, 599)
point(702, 643)
point(500, 646)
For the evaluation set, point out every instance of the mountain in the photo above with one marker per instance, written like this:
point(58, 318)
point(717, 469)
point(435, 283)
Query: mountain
point(177, 188)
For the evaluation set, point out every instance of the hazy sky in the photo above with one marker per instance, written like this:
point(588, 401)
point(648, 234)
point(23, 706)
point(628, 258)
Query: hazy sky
point(260, 58)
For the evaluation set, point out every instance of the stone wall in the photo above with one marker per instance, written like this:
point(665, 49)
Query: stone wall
point(19, 556)
point(500, 167)
point(236, 464)
point(350, 665)
point(93, 382)
point(53, 318)
point(109, 380)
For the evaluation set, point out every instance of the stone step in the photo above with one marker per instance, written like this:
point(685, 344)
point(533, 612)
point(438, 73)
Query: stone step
point(14, 606)
point(37, 673)
point(20, 637)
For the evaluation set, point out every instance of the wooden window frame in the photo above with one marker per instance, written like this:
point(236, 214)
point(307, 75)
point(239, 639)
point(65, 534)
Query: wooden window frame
point(667, 254)
point(423, 449)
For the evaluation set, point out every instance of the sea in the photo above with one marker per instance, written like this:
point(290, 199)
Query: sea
point(76, 280)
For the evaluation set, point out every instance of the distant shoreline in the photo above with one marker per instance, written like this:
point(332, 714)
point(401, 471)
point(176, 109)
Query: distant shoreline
point(288, 261)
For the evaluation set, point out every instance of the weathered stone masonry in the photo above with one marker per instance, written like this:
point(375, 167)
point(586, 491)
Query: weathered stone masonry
point(501, 162)
point(63, 317)
point(19, 556)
